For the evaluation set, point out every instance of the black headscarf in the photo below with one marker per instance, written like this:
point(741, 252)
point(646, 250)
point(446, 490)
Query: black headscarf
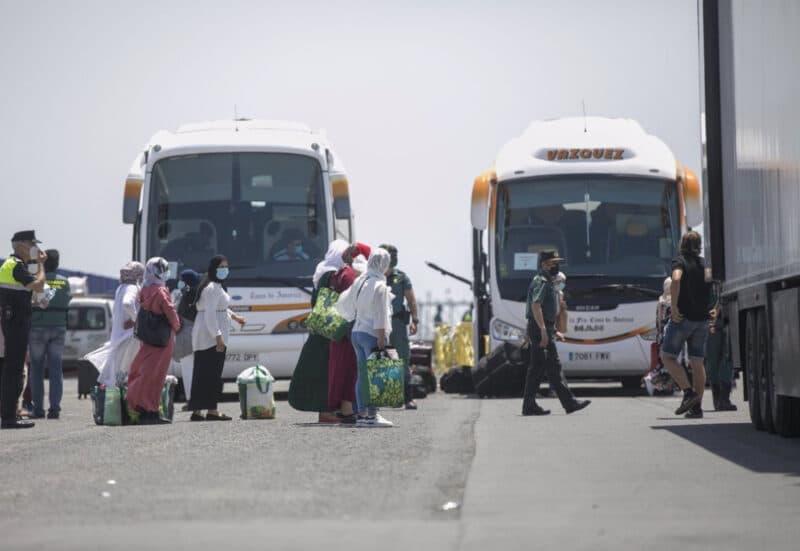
point(211, 274)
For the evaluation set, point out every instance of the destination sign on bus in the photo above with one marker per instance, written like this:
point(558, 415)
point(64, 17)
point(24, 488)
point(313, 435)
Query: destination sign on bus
point(585, 154)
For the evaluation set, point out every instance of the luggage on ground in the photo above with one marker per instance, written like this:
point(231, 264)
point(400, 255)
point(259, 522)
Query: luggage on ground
point(502, 372)
point(256, 397)
point(107, 407)
point(457, 380)
point(87, 378)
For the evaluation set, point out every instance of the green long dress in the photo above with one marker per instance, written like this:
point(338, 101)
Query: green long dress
point(308, 390)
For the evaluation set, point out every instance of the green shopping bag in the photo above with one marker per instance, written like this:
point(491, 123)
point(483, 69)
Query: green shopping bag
point(256, 397)
point(385, 376)
point(324, 320)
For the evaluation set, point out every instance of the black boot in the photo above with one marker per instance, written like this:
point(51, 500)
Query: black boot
point(530, 407)
point(696, 412)
point(715, 388)
point(725, 398)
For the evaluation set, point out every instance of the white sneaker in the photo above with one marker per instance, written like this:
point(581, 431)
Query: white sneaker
point(373, 422)
point(380, 421)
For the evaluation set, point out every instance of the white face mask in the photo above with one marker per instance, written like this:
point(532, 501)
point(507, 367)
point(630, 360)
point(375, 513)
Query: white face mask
point(33, 252)
point(33, 269)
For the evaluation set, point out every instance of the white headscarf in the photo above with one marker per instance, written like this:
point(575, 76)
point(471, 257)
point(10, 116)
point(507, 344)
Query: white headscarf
point(667, 296)
point(333, 260)
point(372, 282)
point(156, 271)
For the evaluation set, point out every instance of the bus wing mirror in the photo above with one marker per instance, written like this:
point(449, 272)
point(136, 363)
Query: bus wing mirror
point(130, 201)
point(479, 214)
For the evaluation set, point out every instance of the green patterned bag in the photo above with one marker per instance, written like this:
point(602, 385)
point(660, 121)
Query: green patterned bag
point(324, 320)
point(385, 374)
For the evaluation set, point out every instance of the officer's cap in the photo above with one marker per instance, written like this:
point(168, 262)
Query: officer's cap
point(26, 235)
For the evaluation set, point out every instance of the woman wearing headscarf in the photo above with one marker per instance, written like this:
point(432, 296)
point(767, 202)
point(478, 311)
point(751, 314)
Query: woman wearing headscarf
point(368, 302)
point(342, 362)
point(113, 359)
point(149, 367)
point(308, 390)
point(210, 336)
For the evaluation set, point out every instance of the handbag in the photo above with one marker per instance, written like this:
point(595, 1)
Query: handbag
point(385, 374)
point(152, 328)
point(324, 320)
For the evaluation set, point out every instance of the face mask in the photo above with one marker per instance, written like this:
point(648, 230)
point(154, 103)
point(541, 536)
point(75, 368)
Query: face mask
point(33, 252)
point(33, 269)
point(298, 250)
point(553, 271)
point(222, 273)
point(181, 285)
point(163, 276)
point(560, 286)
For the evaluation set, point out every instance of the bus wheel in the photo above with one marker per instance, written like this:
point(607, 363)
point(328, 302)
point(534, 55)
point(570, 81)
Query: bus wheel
point(631, 383)
point(765, 386)
point(751, 371)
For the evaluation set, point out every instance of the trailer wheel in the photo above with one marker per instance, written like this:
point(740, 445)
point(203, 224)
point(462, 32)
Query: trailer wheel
point(765, 385)
point(751, 370)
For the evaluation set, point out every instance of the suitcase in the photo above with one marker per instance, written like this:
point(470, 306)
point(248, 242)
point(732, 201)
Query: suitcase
point(87, 378)
point(502, 372)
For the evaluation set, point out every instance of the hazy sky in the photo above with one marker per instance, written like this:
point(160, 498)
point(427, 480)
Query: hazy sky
point(417, 97)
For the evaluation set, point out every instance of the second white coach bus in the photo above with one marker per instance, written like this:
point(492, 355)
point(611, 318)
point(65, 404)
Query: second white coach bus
point(614, 202)
point(270, 196)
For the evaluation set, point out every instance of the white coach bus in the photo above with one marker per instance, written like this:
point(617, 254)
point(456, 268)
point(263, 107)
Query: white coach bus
point(268, 195)
point(614, 201)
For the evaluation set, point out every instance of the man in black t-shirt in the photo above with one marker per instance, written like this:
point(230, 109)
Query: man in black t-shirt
point(689, 323)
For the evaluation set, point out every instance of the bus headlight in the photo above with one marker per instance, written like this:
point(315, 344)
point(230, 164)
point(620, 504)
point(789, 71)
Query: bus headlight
point(503, 331)
point(650, 335)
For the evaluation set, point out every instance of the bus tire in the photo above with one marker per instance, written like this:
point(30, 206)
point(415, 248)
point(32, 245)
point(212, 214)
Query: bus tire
point(631, 383)
point(751, 370)
point(786, 415)
point(765, 385)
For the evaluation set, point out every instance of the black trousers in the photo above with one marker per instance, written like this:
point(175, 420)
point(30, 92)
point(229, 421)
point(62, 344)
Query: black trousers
point(545, 361)
point(16, 329)
point(206, 378)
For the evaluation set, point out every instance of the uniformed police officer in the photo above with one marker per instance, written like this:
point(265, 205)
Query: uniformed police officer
point(541, 311)
point(16, 285)
point(404, 321)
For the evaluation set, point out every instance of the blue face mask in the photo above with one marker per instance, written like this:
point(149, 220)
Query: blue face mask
point(298, 250)
point(181, 285)
point(222, 273)
point(560, 286)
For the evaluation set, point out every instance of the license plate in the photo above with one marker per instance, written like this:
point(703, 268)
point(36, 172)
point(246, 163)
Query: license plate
point(241, 357)
point(589, 356)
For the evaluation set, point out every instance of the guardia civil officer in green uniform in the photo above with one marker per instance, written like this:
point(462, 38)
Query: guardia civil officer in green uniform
point(541, 310)
point(16, 285)
point(404, 320)
point(48, 331)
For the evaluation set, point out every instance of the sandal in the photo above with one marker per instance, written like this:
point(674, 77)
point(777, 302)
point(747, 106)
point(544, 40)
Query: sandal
point(196, 417)
point(220, 417)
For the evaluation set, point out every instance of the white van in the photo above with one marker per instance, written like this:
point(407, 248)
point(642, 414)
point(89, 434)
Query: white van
point(88, 327)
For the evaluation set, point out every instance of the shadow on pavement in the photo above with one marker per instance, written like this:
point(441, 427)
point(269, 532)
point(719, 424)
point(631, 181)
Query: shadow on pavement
point(741, 444)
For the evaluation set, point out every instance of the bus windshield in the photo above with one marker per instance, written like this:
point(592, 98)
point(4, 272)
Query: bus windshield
point(264, 211)
point(609, 228)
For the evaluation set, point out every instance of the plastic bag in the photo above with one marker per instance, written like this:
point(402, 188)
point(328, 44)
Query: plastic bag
point(107, 405)
point(324, 320)
point(385, 375)
point(256, 395)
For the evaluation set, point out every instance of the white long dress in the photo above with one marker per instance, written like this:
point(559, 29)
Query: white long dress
point(113, 359)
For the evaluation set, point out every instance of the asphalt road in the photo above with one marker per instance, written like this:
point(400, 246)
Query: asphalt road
point(623, 474)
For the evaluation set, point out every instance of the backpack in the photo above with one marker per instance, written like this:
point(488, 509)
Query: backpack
point(187, 307)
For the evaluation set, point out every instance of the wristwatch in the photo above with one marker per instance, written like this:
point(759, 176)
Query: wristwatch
point(415, 320)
